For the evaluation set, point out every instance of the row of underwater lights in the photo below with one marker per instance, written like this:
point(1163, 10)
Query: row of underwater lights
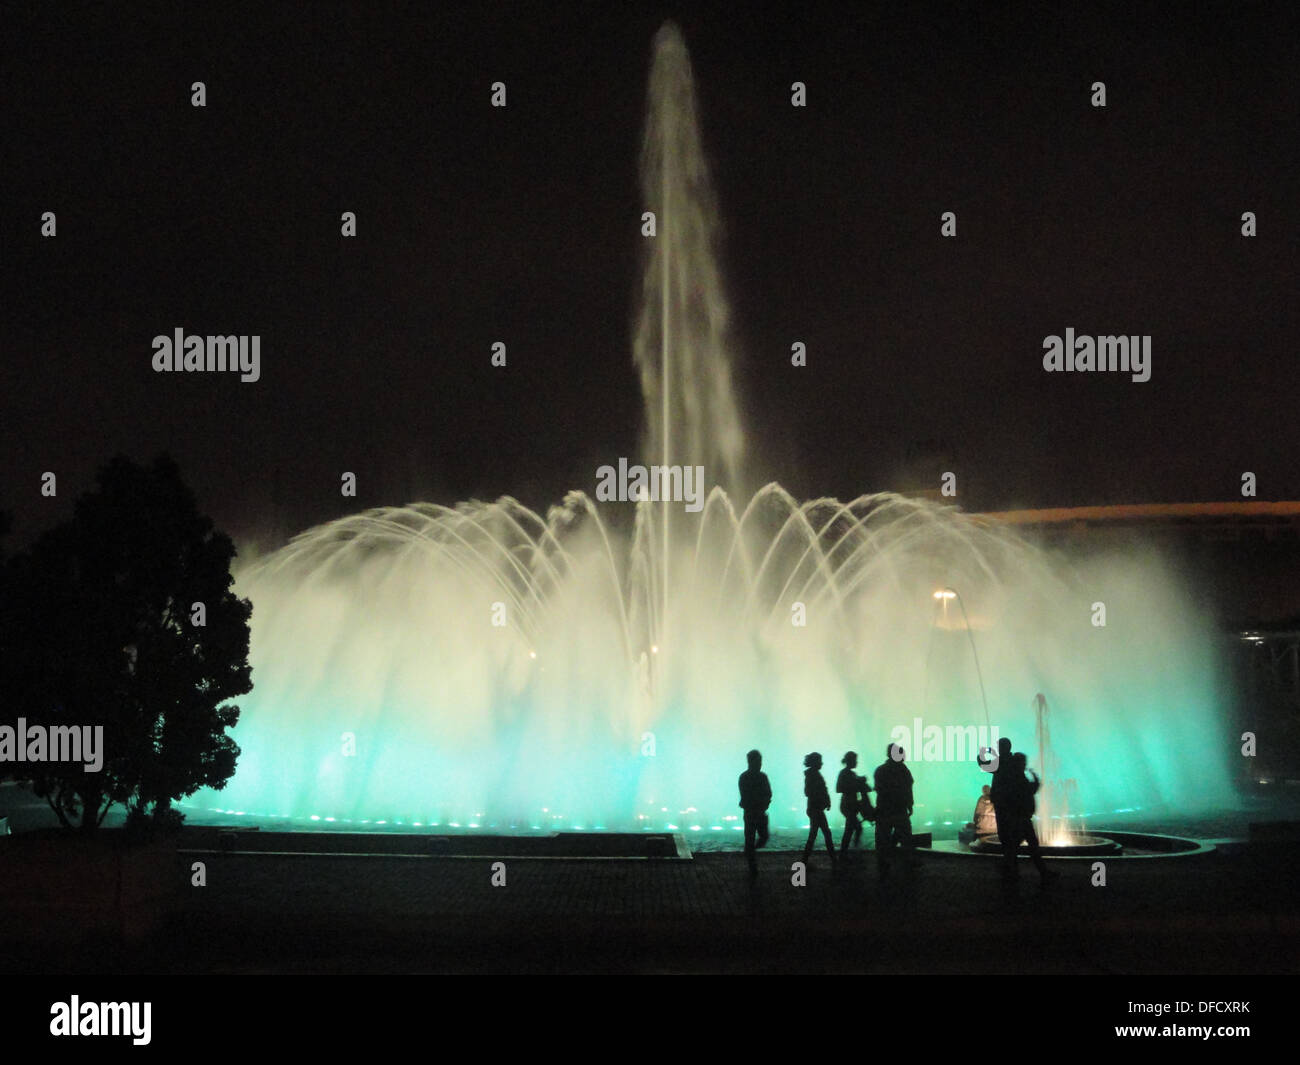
point(560, 817)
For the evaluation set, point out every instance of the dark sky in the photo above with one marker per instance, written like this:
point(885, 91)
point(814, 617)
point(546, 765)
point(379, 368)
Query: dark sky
point(478, 224)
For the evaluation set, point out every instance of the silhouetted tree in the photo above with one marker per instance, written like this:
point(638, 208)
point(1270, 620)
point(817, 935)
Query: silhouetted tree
point(124, 617)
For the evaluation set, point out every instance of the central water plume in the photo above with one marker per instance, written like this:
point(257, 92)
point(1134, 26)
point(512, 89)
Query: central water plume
point(485, 665)
point(682, 343)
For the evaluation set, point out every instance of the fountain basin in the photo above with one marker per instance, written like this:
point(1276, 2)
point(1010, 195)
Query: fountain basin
point(1079, 845)
point(1109, 844)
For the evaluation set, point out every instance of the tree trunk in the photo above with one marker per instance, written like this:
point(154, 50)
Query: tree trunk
point(58, 812)
point(90, 814)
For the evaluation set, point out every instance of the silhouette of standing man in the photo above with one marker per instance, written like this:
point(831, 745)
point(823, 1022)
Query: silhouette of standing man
point(1001, 794)
point(755, 798)
point(1006, 798)
point(1013, 806)
point(819, 801)
point(893, 807)
point(1001, 763)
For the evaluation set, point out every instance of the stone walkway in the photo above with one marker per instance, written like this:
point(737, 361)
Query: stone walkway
point(1233, 911)
point(1214, 914)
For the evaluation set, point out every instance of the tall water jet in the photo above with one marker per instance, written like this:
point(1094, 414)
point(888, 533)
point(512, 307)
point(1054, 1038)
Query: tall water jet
point(486, 665)
point(681, 344)
point(1056, 797)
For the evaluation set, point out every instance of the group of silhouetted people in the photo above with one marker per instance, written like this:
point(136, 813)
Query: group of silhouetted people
point(1005, 807)
point(891, 813)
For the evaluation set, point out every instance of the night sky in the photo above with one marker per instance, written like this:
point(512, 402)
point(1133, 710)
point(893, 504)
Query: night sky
point(522, 225)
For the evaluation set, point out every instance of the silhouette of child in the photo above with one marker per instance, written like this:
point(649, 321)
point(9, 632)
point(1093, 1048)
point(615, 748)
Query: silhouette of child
point(849, 784)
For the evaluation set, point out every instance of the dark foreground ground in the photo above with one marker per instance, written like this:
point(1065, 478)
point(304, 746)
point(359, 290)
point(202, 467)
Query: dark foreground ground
point(1226, 913)
point(1233, 911)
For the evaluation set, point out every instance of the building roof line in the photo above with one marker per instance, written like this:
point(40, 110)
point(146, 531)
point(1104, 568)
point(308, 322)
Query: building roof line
point(1144, 512)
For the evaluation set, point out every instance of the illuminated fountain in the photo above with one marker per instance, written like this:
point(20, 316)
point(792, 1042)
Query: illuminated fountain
point(608, 665)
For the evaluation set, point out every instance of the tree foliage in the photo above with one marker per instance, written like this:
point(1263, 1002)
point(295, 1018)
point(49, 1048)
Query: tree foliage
point(100, 626)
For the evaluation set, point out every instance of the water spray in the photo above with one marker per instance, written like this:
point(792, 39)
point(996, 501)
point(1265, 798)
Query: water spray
point(944, 594)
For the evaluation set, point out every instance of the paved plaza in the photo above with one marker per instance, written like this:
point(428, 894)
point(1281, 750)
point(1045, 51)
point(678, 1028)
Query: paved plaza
point(1232, 911)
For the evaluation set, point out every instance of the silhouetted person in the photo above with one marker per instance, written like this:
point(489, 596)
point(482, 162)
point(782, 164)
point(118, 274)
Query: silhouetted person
point(1007, 797)
point(1013, 807)
point(755, 798)
point(819, 801)
point(1002, 770)
point(893, 806)
point(865, 810)
point(850, 785)
point(1003, 766)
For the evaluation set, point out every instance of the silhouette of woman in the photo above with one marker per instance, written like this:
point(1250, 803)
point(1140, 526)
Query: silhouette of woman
point(819, 801)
